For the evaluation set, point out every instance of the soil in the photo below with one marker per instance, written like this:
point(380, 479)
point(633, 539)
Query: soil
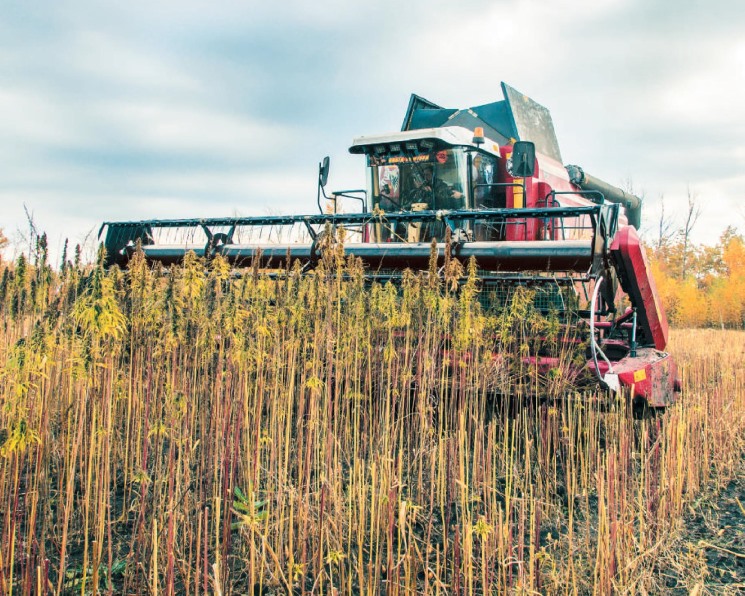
point(709, 556)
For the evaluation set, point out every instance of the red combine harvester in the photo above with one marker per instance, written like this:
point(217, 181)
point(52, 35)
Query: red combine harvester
point(486, 182)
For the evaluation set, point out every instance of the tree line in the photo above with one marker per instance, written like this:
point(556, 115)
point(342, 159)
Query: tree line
point(701, 285)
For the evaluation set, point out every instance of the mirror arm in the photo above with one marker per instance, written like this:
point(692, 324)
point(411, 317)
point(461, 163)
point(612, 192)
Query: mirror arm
point(347, 194)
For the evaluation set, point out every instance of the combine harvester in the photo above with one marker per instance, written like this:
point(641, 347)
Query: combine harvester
point(486, 182)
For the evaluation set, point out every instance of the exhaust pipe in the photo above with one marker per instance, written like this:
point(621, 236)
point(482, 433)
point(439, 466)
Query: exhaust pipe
point(631, 203)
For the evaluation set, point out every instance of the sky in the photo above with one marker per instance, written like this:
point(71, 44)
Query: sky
point(168, 109)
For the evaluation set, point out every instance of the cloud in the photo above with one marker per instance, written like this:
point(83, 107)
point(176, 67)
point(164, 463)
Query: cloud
point(145, 109)
point(187, 130)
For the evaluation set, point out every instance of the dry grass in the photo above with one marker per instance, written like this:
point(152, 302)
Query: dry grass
point(192, 433)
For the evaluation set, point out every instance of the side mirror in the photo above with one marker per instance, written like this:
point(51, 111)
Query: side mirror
point(523, 159)
point(323, 171)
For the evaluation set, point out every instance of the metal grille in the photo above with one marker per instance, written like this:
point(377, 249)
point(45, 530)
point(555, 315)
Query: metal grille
point(548, 295)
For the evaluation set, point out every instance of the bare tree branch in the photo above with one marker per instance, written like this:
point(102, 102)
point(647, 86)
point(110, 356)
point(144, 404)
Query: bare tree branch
point(694, 212)
point(664, 226)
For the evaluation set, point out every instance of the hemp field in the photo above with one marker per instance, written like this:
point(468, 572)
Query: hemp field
point(191, 432)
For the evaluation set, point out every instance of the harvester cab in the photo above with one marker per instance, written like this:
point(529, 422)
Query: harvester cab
point(485, 183)
point(427, 170)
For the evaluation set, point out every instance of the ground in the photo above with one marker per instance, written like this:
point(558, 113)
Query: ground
point(709, 556)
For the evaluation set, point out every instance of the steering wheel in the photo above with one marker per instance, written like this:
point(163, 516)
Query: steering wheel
point(390, 199)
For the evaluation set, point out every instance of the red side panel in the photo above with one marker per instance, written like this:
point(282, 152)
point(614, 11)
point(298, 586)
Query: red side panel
point(636, 280)
point(655, 377)
point(650, 375)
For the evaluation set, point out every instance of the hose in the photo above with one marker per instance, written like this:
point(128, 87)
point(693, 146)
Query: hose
point(594, 347)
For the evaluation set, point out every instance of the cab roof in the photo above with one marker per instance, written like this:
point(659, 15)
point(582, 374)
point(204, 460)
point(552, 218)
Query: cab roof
point(424, 138)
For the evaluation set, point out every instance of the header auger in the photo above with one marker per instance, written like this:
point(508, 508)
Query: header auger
point(485, 183)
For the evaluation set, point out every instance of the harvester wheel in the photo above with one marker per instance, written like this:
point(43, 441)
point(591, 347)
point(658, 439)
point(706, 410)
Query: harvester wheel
point(641, 410)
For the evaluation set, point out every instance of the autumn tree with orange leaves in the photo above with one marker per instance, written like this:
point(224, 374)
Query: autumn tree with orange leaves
point(699, 285)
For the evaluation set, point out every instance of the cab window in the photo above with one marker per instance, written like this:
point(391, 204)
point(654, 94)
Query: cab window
point(483, 176)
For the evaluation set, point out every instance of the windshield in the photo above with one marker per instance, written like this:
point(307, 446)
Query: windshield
point(434, 180)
